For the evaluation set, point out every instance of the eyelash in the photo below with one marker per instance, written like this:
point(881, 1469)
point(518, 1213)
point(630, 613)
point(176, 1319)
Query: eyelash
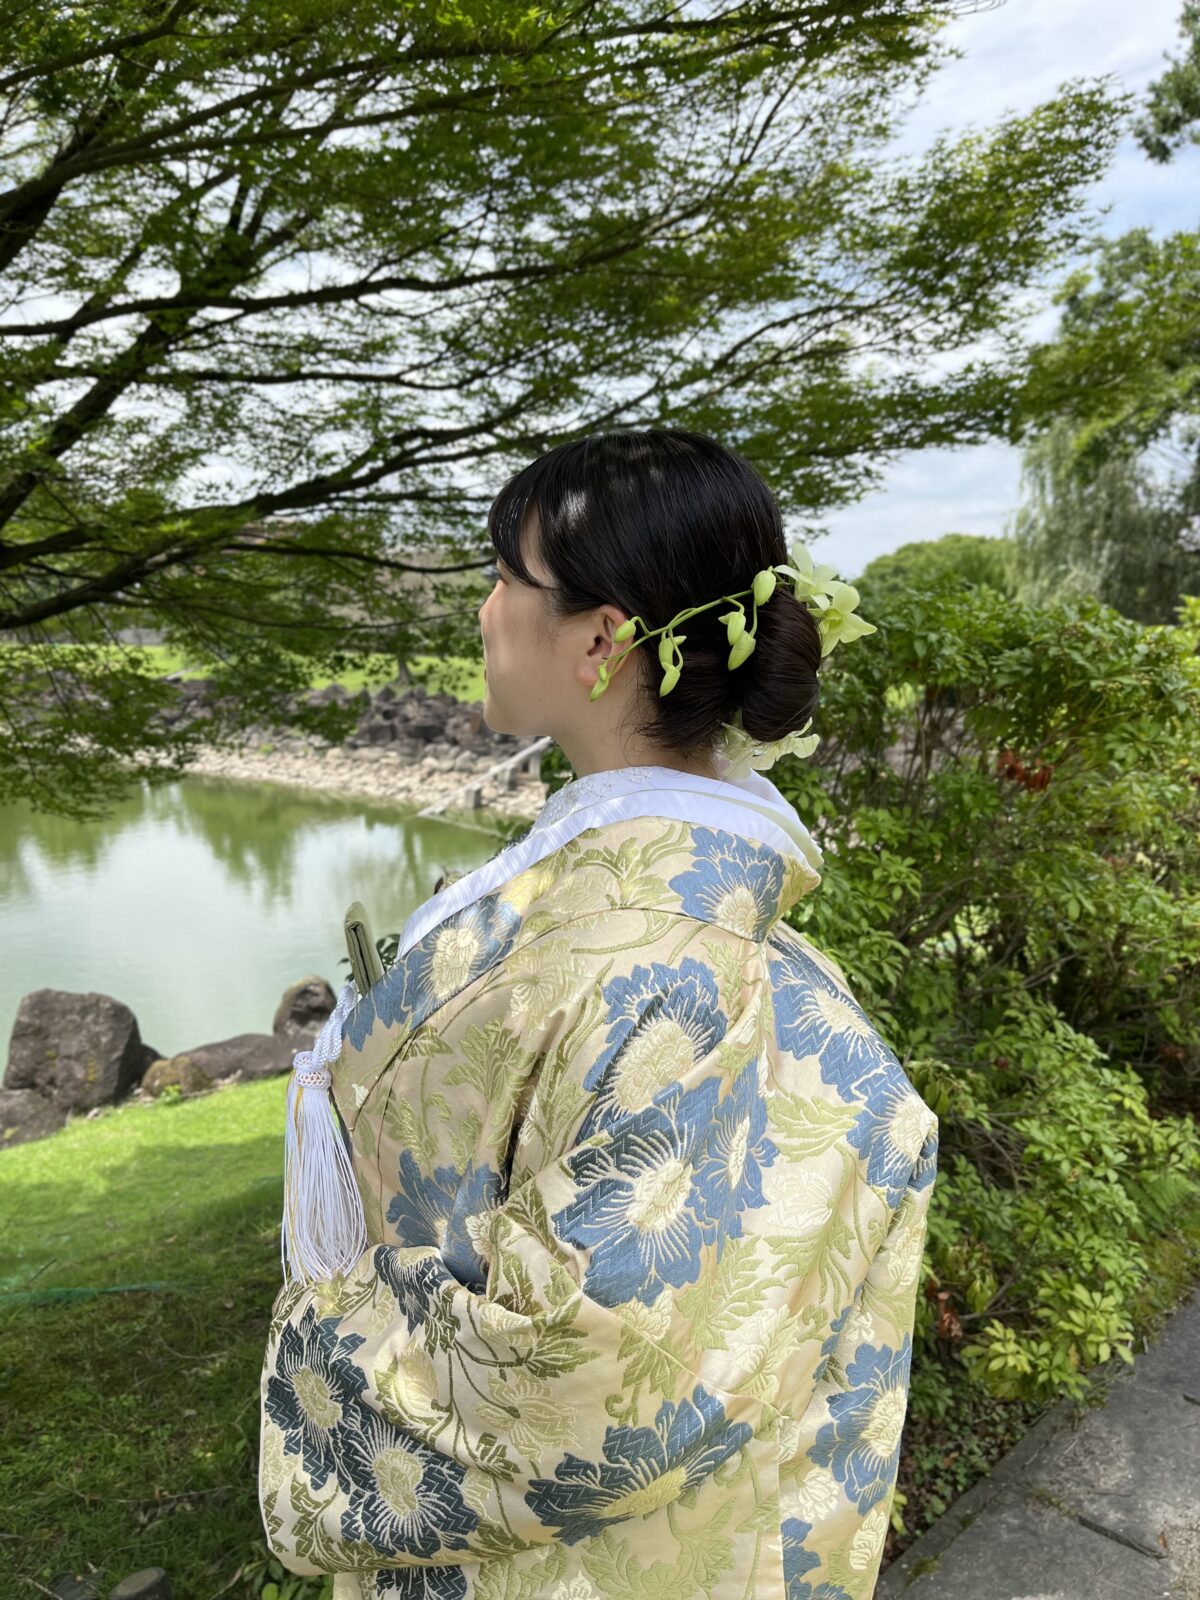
point(493, 572)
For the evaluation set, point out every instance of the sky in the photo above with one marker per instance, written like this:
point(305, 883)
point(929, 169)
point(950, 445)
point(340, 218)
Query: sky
point(1016, 57)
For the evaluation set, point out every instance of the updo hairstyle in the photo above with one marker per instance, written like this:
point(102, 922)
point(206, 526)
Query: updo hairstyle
point(654, 521)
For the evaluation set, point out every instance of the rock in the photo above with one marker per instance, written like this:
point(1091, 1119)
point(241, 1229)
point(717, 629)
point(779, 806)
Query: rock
point(78, 1050)
point(246, 1057)
point(25, 1115)
point(180, 1071)
point(302, 1012)
point(152, 1583)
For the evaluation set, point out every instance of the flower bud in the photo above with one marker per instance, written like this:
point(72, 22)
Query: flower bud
point(764, 586)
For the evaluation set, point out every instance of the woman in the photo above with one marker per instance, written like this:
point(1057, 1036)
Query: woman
point(619, 1299)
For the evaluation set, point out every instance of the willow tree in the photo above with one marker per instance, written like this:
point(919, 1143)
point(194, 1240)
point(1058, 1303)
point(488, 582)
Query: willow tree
point(1111, 412)
point(290, 286)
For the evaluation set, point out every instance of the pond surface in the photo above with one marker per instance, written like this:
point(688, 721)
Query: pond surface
point(198, 902)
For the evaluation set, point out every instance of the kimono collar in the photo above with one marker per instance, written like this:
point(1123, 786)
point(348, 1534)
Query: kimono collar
point(750, 807)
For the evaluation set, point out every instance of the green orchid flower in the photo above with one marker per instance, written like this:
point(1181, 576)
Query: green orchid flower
point(837, 623)
point(810, 581)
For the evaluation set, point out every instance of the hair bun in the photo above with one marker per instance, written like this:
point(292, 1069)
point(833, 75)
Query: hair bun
point(782, 688)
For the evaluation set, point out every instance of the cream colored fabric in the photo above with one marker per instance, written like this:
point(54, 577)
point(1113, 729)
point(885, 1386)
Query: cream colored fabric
point(646, 1194)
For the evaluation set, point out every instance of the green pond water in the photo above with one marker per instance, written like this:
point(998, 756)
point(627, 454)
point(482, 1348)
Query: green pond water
point(198, 902)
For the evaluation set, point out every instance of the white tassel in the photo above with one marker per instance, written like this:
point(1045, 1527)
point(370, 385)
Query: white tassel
point(324, 1230)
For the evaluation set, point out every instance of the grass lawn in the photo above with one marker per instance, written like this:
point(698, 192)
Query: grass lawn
point(138, 1265)
point(131, 1417)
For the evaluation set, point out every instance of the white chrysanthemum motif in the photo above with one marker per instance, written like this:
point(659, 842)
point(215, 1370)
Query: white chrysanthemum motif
point(273, 1463)
point(415, 1377)
point(802, 1195)
point(817, 1496)
point(760, 1345)
point(867, 1545)
point(903, 1256)
point(655, 1057)
point(906, 1126)
point(479, 1232)
point(543, 979)
point(652, 1321)
point(542, 1425)
point(739, 909)
point(498, 1322)
point(859, 1328)
point(455, 951)
point(578, 1589)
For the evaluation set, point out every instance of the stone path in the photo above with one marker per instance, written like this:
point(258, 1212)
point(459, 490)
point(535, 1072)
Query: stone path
point(1108, 1509)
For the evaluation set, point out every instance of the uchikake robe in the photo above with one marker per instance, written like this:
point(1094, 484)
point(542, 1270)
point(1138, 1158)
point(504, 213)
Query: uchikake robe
point(646, 1199)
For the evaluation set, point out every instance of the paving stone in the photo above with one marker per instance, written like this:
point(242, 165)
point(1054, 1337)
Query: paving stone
point(1102, 1504)
point(1018, 1548)
point(1132, 1467)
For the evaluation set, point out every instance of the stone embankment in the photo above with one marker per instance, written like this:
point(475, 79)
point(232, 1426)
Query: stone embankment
point(407, 746)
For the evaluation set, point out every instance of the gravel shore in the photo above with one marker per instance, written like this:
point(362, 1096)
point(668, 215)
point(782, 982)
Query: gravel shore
point(446, 775)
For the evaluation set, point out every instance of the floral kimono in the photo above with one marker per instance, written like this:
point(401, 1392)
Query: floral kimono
point(645, 1196)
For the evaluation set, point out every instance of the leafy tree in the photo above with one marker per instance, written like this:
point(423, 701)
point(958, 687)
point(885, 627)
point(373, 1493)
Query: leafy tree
point(291, 285)
point(1111, 410)
point(1112, 531)
point(972, 557)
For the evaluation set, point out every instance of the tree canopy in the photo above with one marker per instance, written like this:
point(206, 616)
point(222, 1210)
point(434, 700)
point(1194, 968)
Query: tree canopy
point(290, 287)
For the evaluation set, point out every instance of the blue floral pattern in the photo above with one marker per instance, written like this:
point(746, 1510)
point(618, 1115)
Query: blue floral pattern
point(644, 1207)
point(434, 1211)
point(731, 879)
point(861, 1445)
point(681, 1222)
point(641, 1469)
point(735, 1150)
point(403, 1497)
point(313, 1384)
point(661, 1020)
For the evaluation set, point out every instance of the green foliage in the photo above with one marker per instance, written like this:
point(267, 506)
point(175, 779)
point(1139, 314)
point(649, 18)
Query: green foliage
point(972, 557)
point(252, 399)
point(1010, 801)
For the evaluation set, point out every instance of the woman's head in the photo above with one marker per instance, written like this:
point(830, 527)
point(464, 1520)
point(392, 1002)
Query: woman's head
point(644, 523)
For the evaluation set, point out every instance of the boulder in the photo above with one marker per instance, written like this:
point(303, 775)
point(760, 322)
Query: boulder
point(25, 1115)
point(178, 1071)
point(301, 1014)
point(244, 1058)
point(76, 1050)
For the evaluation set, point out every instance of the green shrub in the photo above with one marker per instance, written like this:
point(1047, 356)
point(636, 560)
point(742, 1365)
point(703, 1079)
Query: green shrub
point(1009, 803)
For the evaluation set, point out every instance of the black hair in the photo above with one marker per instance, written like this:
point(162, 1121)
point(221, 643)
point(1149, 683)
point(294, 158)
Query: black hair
point(656, 520)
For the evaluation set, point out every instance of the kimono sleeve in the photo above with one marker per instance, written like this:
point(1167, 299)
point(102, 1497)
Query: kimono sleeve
point(839, 1483)
point(409, 1419)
